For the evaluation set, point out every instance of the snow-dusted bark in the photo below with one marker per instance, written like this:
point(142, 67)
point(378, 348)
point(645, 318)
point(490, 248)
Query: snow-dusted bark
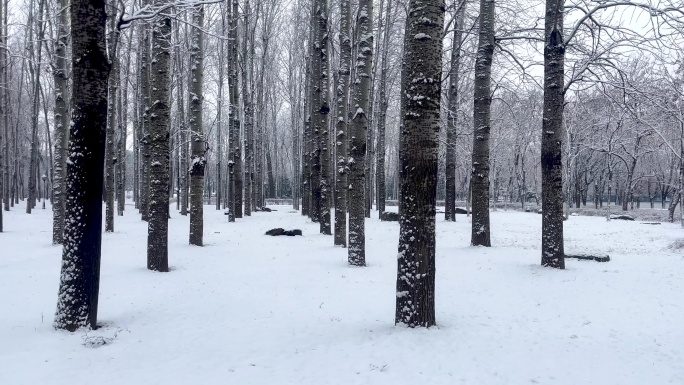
point(5, 116)
point(248, 114)
point(35, 55)
point(160, 121)
point(4, 138)
point(341, 125)
point(80, 275)
point(452, 115)
point(123, 134)
point(137, 121)
point(553, 254)
point(183, 137)
point(382, 114)
point(237, 145)
point(480, 235)
point(144, 157)
point(357, 129)
point(219, 111)
point(233, 114)
point(110, 154)
point(419, 144)
point(322, 113)
point(307, 135)
point(198, 146)
point(113, 87)
point(312, 111)
point(61, 123)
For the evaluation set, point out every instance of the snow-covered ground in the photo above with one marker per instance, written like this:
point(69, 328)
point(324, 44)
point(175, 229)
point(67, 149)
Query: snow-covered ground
point(254, 309)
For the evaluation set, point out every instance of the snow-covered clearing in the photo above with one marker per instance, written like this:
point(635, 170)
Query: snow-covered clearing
point(254, 309)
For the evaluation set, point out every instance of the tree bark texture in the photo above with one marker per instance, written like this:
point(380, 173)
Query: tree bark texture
point(160, 121)
point(61, 116)
point(137, 124)
point(183, 127)
point(452, 116)
point(342, 91)
point(112, 90)
point(382, 115)
point(80, 273)
point(359, 127)
point(307, 136)
point(237, 146)
point(219, 113)
point(35, 55)
point(553, 254)
point(419, 145)
point(5, 107)
point(145, 126)
point(4, 139)
point(197, 161)
point(123, 135)
point(480, 235)
point(323, 111)
point(244, 185)
point(233, 114)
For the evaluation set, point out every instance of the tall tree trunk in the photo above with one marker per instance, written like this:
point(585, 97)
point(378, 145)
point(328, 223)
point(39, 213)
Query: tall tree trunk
point(452, 115)
point(382, 115)
point(307, 147)
point(160, 121)
point(342, 185)
point(123, 135)
point(323, 110)
point(553, 254)
point(80, 277)
point(35, 69)
point(145, 126)
point(237, 146)
point(183, 128)
point(113, 85)
point(235, 122)
point(3, 127)
point(315, 125)
point(5, 102)
point(481, 115)
point(198, 160)
point(269, 172)
point(219, 111)
point(61, 116)
point(419, 146)
point(137, 125)
point(370, 153)
point(358, 128)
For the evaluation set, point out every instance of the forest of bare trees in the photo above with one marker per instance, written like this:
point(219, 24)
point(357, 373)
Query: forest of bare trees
point(343, 107)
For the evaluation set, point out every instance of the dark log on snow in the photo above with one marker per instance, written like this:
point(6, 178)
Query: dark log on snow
point(460, 210)
point(264, 209)
point(623, 217)
point(281, 231)
point(586, 257)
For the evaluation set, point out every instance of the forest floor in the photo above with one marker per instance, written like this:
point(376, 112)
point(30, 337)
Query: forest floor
point(254, 309)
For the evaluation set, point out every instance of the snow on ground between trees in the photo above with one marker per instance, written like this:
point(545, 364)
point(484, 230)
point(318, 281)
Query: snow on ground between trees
point(253, 309)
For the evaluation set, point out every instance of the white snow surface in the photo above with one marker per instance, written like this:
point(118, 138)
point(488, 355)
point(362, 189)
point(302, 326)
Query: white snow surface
point(254, 309)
